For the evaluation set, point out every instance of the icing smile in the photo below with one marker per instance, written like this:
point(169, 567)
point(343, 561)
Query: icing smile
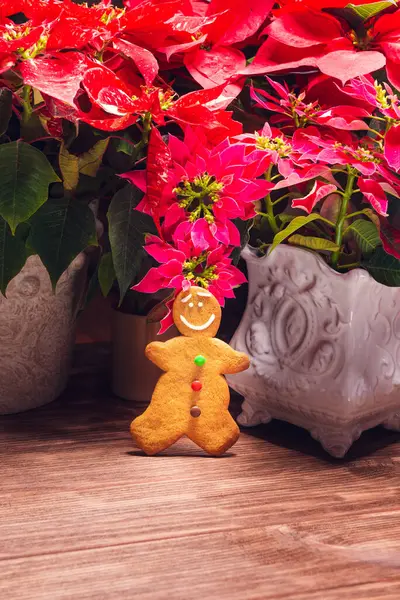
point(198, 327)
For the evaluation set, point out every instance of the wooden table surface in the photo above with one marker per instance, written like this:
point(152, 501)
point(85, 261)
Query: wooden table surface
point(83, 514)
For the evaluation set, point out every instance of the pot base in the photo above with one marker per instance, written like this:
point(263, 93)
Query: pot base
point(335, 437)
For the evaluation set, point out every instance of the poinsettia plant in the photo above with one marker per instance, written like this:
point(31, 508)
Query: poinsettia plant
point(316, 165)
point(200, 125)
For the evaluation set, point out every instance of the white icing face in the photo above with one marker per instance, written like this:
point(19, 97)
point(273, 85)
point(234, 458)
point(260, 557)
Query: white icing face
point(198, 327)
point(197, 312)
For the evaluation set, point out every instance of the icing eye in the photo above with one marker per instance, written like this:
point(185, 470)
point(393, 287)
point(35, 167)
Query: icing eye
point(200, 304)
point(191, 304)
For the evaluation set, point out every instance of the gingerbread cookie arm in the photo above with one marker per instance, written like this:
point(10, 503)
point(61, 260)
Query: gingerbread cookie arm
point(240, 362)
point(158, 354)
point(233, 362)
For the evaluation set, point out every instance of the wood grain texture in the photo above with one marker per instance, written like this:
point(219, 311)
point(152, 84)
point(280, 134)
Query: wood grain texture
point(84, 514)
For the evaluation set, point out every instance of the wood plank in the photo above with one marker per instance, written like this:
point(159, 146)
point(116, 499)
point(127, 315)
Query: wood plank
point(83, 514)
point(250, 565)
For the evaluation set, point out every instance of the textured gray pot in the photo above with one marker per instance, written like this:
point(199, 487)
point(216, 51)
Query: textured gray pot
point(37, 334)
point(324, 348)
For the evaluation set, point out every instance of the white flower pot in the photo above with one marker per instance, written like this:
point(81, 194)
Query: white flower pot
point(324, 348)
point(37, 334)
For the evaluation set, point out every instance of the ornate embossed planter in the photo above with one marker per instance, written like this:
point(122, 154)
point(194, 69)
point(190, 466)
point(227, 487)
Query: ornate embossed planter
point(37, 333)
point(324, 348)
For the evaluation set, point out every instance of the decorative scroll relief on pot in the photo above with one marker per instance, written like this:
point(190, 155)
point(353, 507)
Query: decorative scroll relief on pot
point(296, 333)
point(37, 334)
point(311, 332)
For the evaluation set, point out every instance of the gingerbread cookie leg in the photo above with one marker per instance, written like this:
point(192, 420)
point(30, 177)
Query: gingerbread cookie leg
point(164, 421)
point(153, 434)
point(214, 433)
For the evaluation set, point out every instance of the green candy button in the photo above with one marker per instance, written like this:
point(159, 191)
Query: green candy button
point(199, 360)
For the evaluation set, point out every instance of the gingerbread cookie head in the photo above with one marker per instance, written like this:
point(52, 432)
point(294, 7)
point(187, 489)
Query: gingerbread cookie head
point(196, 312)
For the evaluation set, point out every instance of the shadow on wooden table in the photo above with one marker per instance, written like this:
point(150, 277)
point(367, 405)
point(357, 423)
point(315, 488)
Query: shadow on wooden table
point(175, 451)
point(289, 436)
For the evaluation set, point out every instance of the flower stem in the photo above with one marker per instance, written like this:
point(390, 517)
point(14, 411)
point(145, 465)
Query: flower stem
point(282, 198)
point(342, 216)
point(26, 103)
point(376, 132)
point(145, 135)
point(146, 128)
point(349, 266)
point(389, 123)
point(355, 214)
point(270, 206)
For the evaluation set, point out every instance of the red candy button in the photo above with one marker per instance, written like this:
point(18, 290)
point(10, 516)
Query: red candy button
point(196, 386)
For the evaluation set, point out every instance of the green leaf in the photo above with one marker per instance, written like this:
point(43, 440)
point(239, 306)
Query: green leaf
point(127, 228)
point(13, 254)
point(293, 226)
point(60, 230)
point(384, 268)
point(25, 176)
point(285, 218)
point(37, 97)
point(32, 128)
point(90, 161)
point(106, 274)
point(125, 145)
point(366, 235)
point(92, 288)
point(372, 216)
point(70, 132)
point(371, 9)
point(5, 109)
point(69, 166)
point(313, 243)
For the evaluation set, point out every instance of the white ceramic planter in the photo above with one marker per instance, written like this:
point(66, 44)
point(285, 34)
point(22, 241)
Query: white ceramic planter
point(37, 334)
point(324, 348)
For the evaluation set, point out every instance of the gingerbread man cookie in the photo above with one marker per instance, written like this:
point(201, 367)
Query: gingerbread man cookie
point(192, 397)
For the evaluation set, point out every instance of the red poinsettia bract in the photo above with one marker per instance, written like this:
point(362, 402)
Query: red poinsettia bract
point(182, 266)
point(204, 188)
point(302, 36)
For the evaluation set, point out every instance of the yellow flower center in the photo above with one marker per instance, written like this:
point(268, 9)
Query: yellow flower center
point(365, 155)
point(199, 195)
point(274, 144)
point(196, 270)
point(111, 14)
point(166, 99)
point(16, 33)
point(381, 95)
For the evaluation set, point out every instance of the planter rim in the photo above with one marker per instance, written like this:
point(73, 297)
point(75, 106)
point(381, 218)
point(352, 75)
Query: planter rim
point(133, 316)
point(249, 254)
point(121, 312)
